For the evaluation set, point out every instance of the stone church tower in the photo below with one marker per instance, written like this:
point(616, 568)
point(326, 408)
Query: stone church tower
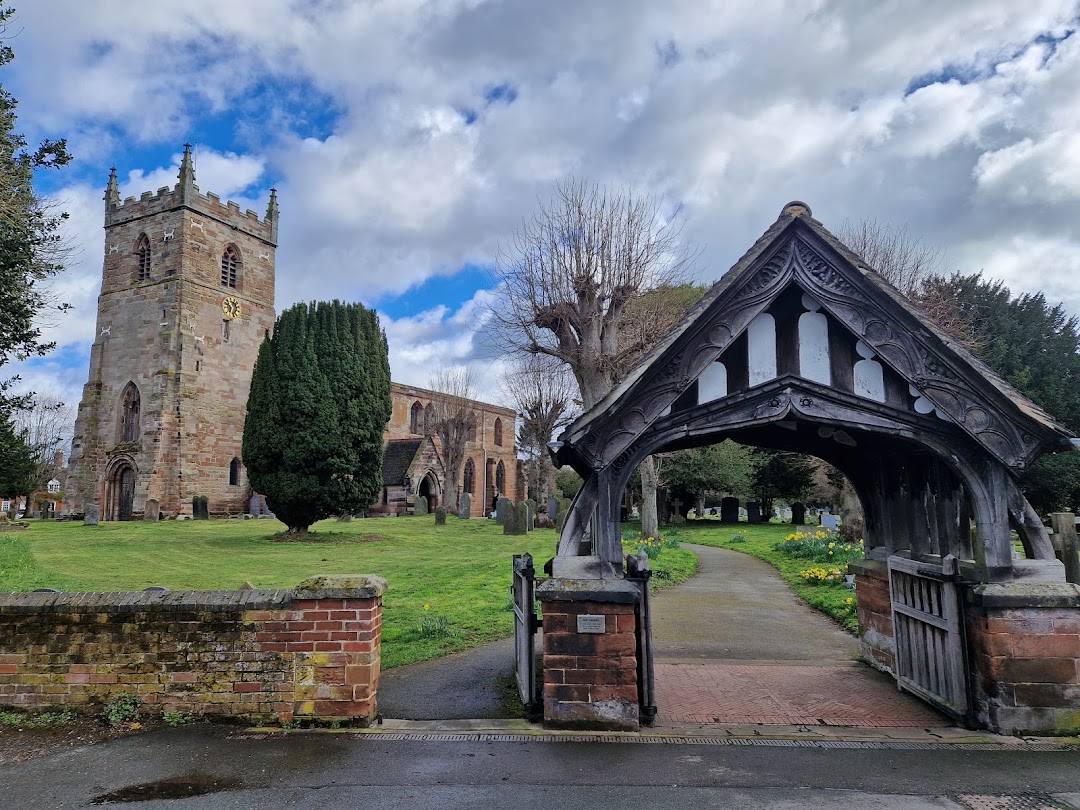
point(187, 295)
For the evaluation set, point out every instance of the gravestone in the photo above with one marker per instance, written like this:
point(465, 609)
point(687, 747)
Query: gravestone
point(465, 506)
point(753, 512)
point(92, 514)
point(152, 511)
point(676, 512)
point(553, 507)
point(530, 515)
point(440, 515)
point(255, 505)
point(420, 506)
point(200, 507)
point(830, 522)
point(798, 513)
point(729, 510)
point(501, 508)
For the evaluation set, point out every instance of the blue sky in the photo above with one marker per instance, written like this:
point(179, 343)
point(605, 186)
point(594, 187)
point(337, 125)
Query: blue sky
point(408, 139)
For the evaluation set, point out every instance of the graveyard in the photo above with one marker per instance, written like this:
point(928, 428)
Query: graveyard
point(460, 571)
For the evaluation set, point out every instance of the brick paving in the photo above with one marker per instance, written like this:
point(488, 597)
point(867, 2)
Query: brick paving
point(734, 646)
point(784, 694)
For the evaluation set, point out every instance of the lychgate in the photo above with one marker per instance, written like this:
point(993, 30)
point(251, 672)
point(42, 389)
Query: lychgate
point(802, 347)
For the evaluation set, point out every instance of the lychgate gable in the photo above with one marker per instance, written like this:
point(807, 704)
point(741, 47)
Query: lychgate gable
point(800, 346)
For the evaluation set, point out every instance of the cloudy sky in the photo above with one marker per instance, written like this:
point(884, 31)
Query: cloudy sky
point(409, 138)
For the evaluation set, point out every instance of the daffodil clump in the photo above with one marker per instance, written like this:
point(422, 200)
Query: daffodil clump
point(822, 576)
point(652, 546)
point(819, 546)
point(432, 625)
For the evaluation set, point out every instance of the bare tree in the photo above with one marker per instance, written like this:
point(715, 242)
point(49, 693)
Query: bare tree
point(572, 275)
point(572, 270)
point(543, 393)
point(45, 423)
point(454, 422)
point(903, 260)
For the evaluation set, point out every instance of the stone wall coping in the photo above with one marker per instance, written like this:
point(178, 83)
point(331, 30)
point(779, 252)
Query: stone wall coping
point(1027, 594)
point(340, 586)
point(348, 586)
point(878, 569)
point(142, 601)
point(617, 591)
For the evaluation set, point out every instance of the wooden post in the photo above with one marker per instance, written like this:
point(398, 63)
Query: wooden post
point(1064, 524)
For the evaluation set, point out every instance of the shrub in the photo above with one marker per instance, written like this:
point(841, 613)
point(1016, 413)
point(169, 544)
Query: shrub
point(174, 719)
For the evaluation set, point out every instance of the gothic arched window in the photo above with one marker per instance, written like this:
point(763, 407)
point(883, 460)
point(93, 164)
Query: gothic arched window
point(471, 426)
point(130, 404)
point(142, 253)
point(500, 478)
point(429, 418)
point(234, 472)
point(416, 416)
point(498, 432)
point(468, 477)
point(230, 266)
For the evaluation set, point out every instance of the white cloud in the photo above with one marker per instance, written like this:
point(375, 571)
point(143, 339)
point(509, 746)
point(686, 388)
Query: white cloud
point(396, 161)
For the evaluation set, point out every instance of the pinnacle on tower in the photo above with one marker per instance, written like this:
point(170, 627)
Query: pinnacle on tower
point(186, 187)
point(272, 214)
point(112, 190)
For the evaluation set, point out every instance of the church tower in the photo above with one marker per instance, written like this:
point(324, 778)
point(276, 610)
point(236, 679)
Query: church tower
point(187, 295)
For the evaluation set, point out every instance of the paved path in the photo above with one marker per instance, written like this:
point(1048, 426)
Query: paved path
point(735, 646)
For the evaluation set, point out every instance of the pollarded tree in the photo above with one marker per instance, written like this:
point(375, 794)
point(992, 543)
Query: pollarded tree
point(319, 401)
point(542, 392)
point(455, 423)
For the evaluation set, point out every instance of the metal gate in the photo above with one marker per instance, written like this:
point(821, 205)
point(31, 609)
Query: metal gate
point(928, 629)
point(525, 626)
point(638, 572)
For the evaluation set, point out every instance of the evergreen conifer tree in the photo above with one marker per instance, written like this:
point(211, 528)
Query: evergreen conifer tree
point(319, 401)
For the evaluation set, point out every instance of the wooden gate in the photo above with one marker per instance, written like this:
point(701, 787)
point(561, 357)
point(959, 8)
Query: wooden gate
point(525, 627)
point(928, 629)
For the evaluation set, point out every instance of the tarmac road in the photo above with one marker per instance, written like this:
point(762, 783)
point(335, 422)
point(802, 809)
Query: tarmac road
point(331, 770)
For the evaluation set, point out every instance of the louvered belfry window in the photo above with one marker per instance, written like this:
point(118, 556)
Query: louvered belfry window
point(142, 250)
point(230, 261)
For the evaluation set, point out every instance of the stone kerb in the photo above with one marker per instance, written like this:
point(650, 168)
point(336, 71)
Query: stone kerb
point(309, 654)
point(590, 654)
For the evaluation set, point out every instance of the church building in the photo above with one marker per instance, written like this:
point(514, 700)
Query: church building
point(187, 296)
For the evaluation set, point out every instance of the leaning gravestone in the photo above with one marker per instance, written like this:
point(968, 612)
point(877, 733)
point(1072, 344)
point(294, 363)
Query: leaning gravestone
point(729, 510)
point(151, 513)
point(420, 507)
point(91, 515)
point(465, 506)
point(798, 513)
point(753, 512)
point(501, 508)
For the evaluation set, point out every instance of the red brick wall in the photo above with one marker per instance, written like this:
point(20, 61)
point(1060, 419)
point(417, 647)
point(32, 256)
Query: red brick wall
point(307, 654)
point(874, 610)
point(590, 679)
point(1025, 658)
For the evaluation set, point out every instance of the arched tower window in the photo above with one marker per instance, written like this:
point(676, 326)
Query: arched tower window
point(471, 428)
point(142, 254)
point(498, 432)
point(230, 266)
point(468, 477)
point(500, 479)
point(130, 404)
point(416, 417)
point(429, 418)
point(234, 472)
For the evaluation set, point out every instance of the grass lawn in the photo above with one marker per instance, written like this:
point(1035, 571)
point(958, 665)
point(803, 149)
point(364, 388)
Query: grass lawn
point(758, 540)
point(462, 571)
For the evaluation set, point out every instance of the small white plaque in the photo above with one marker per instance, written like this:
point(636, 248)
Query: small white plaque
point(591, 624)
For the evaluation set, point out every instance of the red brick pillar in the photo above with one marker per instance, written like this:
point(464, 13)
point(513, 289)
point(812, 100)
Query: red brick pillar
point(590, 654)
point(335, 629)
point(877, 645)
point(1024, 651)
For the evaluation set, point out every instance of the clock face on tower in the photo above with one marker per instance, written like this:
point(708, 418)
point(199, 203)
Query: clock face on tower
point(230, 305)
